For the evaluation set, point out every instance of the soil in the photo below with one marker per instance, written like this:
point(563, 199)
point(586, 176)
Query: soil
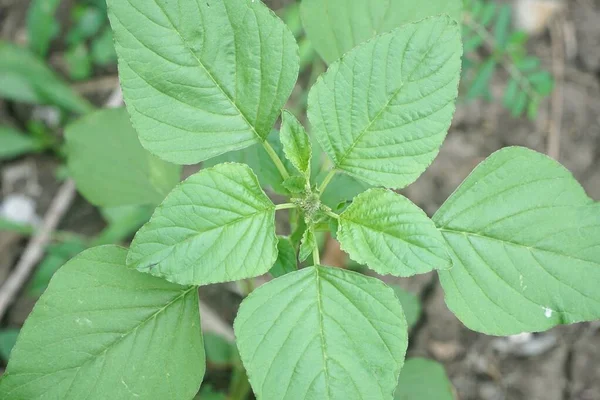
point(561, 364)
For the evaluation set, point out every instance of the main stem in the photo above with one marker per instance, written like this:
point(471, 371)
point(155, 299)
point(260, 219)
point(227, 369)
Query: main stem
point(326, 181)
point(276, 160)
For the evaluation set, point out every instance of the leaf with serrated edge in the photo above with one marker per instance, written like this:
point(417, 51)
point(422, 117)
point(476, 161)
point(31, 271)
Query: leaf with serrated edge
point(296, 144)
point(413, 386)
point(110, 166)
point(391, 235)
point(525, 243)
point(201, 78)
point(104, 331)
point(336, 26)
point(322, 333)
point(216, 226)
point(382, 112)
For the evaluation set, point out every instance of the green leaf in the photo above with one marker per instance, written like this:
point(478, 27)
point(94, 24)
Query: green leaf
point(42, 26)
point(479, 85)
point(524, 242)
point(257, 158)
point(8, 338)
point(104, 331)
point(216, 226)
point(295, 184)
point(201, 78)
point(308, 244)
point(322, 333)
point(56, 256)
point(78, 62)
point(391, 235)
point(88, 22)
point(511, 91)
point(413, 385)
point(103, 49)
point(502, 26)
point(123, 222)
point(14, 143)
point(109, 165)
point(296, 144)
point(286, 258)
point(25, 78)
point(383, 111)
point(410, 304)
point(336, 26)
point(219, 351)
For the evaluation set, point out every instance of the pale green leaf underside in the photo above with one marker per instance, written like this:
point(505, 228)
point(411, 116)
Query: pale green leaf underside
point(201, 78)
point(110, 166)
point(382, 112)
point(296, 144)
point(422, 379)
point(103, 331)
point(322, 333)
point(525, 243)
point(391, 235)
point(336, 26)
point(216, 226)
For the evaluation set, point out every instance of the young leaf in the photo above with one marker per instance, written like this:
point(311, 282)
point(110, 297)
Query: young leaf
point(322, 333)
point(104, 331)
point(295, 184)
point(208, 77)
point(296, 144)
point(382, 112)
point(307, 245)
point(413, 386)
point(24, 77)
point(286, 258)
point(256, 157)
point(480, 84)
point(14, 143)
point(216, 226)
point(524, 242)
point(109, 165)
point(336, 26)
point(391, 235)
point(42, 26)
point(410, 304)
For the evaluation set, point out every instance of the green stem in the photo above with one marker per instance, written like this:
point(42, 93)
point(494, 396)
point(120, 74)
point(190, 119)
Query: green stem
point(331, 214)
point(276, 160)
point(285, 206)
point(326, 181)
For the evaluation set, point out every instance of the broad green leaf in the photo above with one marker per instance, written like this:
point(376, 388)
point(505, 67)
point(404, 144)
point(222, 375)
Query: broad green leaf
point(216, 226)
point(14, 143)
point(391, 235)
point(382, 112)
point(336, 26)
point(525, 243)
point(410, 304)
point(296, 144)
point(295, 184)
point(422, 379)
point(123, 222)
point(286, 258)
point(24, 77)
point(104, 331)
point(322, 333)
point(258, 159)
point(201, 78)
point(109, 165)
point(8, 338)
point(308, 244)
point(42, 26)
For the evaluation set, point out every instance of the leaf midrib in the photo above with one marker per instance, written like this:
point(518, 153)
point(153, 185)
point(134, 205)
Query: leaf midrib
point(210, 75)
